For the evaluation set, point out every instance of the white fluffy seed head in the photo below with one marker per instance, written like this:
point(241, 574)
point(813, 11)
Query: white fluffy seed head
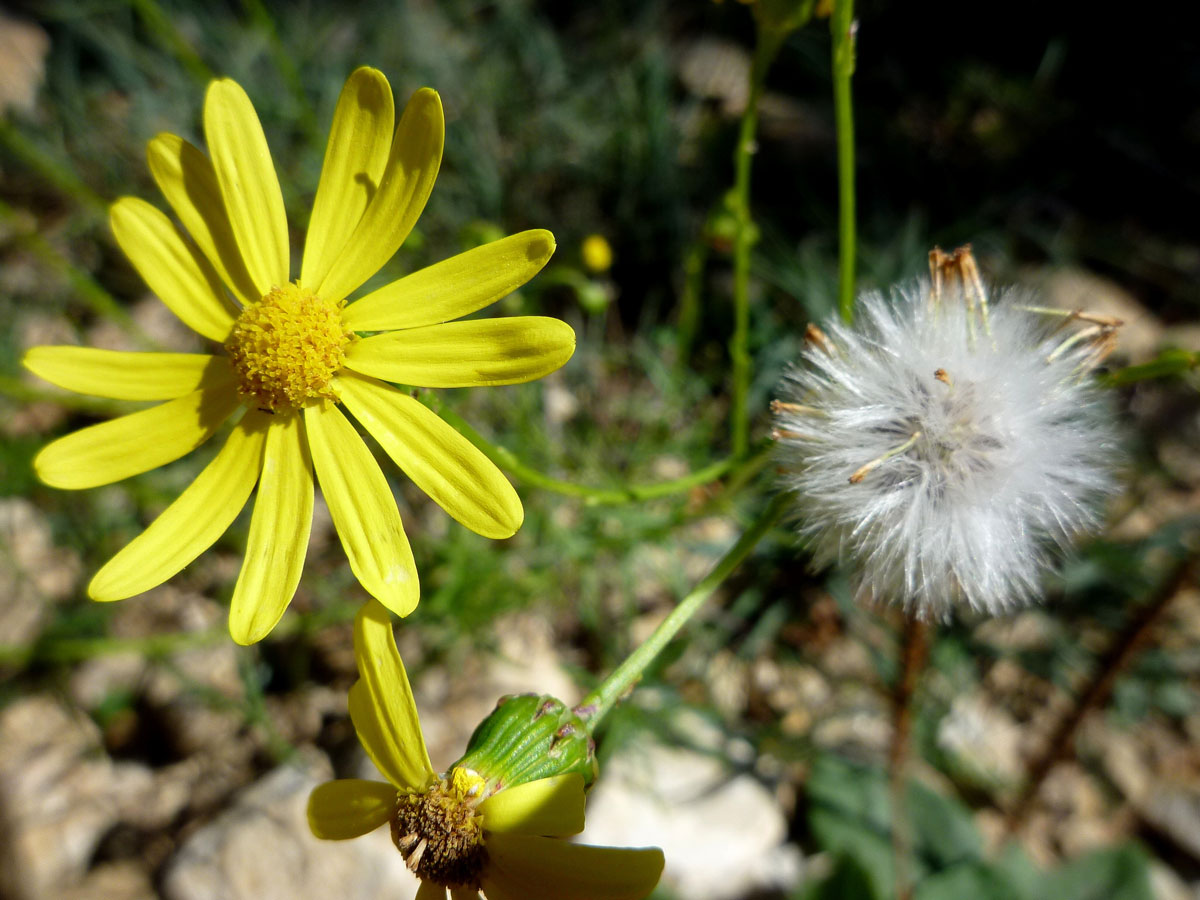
point(942, 457)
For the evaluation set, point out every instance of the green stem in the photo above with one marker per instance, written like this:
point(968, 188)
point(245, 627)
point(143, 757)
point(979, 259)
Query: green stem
point(598, 703)
point(769, 42)
point(841, 25)
point(507, 460)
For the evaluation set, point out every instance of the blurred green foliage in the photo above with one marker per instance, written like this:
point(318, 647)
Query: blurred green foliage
point(849, 812)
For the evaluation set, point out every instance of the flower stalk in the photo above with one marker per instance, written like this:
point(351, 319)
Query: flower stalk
point(765, 51)
point(914, 653)
point(599, 702)
point(630, 493)
point(842, 29)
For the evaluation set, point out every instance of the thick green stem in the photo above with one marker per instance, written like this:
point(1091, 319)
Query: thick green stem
point(507, 460)
point(841, 25)
point(598, 703)
point(769, 42)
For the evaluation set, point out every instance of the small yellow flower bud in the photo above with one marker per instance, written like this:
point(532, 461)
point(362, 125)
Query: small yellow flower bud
point(597, 253)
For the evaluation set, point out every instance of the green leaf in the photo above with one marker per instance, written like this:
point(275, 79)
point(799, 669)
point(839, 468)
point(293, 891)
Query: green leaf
point(1119, 873)
point(1169, 362)
point(855, 839)
point(944, 828)
point(848, 881)
point(974, 880)
point(1019, 870)
point(853, 791)
point(849, 814)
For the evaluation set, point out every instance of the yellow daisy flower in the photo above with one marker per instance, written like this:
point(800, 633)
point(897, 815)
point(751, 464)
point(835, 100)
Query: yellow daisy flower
point(460, 832)
point(295, 353)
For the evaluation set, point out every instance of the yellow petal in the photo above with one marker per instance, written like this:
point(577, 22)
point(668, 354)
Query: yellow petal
point(279, 532)
point(125, 376)
point(441, 462)
point(473, 353)
point(248, 184)
point(173, 269)
point(138, 442)
point(191, 524)
point(380, 748)
point(412, 167)
point(355, 157)
point(363, 510)
point(430, 891)
point(454, 287)
point(349, 807)
point(186, 178)
point(523, 866)
point(550, 806)
point(386, 718)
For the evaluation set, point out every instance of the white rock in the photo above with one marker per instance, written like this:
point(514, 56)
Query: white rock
point(59, 794)
point(723, 834)
point(1141, 331)
point(983, 737)
point(261, 849)
point(1166, 885)
point(23, 48)
point(113, 881)
point(33, 571)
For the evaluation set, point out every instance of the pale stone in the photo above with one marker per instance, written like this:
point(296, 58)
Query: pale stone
point(33, 571)
point(1166, 885)
point(23, 48)
point(59, 794)
point(261, 849)
point(1141, 332)
point(113, 881)
point(723, 834)
point(1174, 809)
point(982, 737)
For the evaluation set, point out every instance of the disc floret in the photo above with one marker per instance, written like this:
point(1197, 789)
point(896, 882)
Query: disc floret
point(439, 830)
point(286, 348)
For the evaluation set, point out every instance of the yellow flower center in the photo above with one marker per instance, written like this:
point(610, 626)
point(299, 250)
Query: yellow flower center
point(440, 833)
point(286, 348)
